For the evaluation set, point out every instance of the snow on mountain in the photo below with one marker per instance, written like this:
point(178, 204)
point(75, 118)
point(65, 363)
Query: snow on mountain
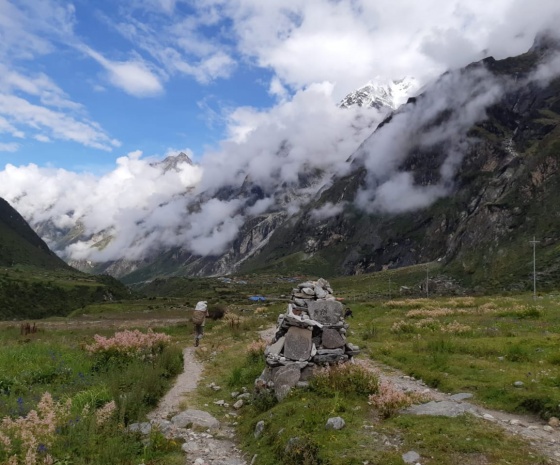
point(376, 94)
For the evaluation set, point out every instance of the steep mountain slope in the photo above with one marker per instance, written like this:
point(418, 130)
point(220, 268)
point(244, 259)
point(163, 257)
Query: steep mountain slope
point(34, 282)
point(20, 245)
point(468, 195)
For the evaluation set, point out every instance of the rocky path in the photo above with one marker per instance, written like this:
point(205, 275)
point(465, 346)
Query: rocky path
point(207, 442)
point(215, 446)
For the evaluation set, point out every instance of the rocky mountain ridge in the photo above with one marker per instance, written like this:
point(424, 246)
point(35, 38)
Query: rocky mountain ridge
point(463, 174)
point(479, 225)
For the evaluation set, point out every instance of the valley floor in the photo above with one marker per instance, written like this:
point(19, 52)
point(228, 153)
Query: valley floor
point(213, 449)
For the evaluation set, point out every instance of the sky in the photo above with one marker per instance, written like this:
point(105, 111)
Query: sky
point(92, 93)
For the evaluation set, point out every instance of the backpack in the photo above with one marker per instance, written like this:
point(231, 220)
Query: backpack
point(199, 313)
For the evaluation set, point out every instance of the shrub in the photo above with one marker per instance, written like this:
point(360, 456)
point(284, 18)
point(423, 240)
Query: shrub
point(42, 433)
point(301, 451)
point(129, 344)
point(255, 351)
point(264, 400)
point(217, 312)
point(94, 397)
point(517, 353)
point(370, 331)
point(389, 399)
point(456, 328)
point(26, 438)
point(347, 378)
point(402, 326)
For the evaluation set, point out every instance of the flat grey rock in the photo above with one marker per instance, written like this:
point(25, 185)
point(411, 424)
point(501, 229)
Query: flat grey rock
point(196, 418)
point(328, 312)
point(332, 339)
point(444, 408)
point(276, 348)
point(297, 345)
point(461, 396)
point(411, 457)
point(284, 379)
point(142, 428)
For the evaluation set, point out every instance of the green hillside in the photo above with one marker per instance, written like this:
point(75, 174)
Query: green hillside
point(19, 245)
point(35, 283)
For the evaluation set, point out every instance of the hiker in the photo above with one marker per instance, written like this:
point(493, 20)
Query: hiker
point(199, 318)
point(348, 313)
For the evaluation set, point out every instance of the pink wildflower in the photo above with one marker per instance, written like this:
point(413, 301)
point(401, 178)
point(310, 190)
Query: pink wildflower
point(104, 413)
point(129, 343)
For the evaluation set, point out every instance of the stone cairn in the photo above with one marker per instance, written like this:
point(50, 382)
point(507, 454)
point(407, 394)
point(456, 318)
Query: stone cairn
point(310, 334)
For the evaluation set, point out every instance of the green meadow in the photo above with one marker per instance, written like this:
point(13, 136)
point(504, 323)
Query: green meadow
point(482, 345)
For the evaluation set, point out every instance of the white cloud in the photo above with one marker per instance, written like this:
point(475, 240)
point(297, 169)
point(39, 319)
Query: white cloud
point(137, 203)
point(328, 210)
point(347, 43)
point(42, 138)
point(32, 100)
point(60, 125)
point(9, 147)
point(176, 41)
point(134, 77)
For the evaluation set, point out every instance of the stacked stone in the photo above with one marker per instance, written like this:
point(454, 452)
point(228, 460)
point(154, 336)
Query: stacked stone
point(311, 333)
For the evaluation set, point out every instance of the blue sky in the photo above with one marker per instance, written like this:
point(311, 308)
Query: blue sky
point(153, 112)
point(85, 82)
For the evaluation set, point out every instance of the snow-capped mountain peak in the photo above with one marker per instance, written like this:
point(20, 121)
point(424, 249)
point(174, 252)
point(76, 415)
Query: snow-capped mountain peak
point(376, 94)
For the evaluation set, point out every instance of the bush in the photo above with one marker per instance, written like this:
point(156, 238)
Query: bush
point(264, 400)
point(217, 312)
point(301, 451)
point(347, 378)
point(389, 400)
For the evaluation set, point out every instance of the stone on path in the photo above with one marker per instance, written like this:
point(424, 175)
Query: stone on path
point(196, 418)
point(335, 423)
point(461, 396)
point(443, 409)
point(259, 428)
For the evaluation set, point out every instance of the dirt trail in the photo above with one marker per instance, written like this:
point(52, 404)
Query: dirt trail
point(186, 382)
point(206, 448)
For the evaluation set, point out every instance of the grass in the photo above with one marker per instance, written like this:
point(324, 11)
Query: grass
point(56, 362)
point(480, 345)
point(296, 426)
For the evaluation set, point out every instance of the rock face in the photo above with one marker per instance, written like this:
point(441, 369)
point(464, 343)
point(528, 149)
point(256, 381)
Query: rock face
point(311, 333)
